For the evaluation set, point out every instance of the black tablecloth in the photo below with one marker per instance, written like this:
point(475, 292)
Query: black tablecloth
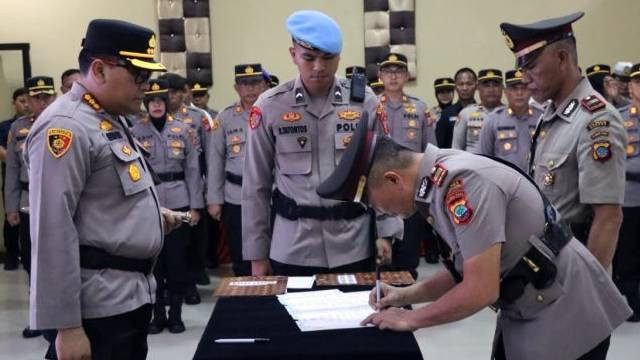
point(254, 317)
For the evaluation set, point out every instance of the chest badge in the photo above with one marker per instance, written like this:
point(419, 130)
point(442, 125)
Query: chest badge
point(291, 116)
point(176, 130)
point(126, 150)
point(302, 141)
point(549, 179)
point(134, 173)
point(105, 125)
point(349, 115)
point(507, 146)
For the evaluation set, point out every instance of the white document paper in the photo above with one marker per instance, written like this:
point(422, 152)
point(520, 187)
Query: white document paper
point(300, 282)
point(327, 309)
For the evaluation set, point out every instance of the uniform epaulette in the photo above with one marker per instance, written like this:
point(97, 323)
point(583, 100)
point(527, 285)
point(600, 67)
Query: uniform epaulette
point(280, 89)
point(593, 103)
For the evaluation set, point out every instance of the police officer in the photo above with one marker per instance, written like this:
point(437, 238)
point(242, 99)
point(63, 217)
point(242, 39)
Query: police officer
point(412, 127)
point(173, 156)
point(444, 96)
point(626, 262)
point(505, 247)
point(41, 93)
point(578, 151)
point(96, 223)
point(298, 132)
point(507, 131)
point(466, 83)
point(226, 159)
point(466, 131)
point(596, 75)
point(200, 97)
point(20, 102)
point(200, 123)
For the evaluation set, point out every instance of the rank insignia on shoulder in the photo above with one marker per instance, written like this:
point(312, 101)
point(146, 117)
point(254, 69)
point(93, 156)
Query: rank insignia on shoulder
point(255, 117)
point(238, 109)
point(134, 172)
point(59, 141)
point(438, 173)
point(633, 110)
point(105, 125)
point(215, 125)
point(205, 124)
point(597, 123)
point(291, 116)
point(601, 151)
point(592, 103)
point(349, 115)
point(570, 108)
point(91, 101)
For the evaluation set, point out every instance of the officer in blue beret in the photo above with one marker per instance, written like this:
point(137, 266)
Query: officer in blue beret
point(297, 133)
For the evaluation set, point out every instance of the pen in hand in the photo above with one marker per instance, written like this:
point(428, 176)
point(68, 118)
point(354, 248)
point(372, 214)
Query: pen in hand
point(241, 340)
point(378, 285)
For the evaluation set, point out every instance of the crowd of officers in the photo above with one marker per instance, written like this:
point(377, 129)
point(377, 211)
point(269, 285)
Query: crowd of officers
point(254, 166)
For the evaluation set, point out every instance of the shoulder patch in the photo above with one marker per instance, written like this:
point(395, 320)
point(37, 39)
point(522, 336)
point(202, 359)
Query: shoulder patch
point(457, 203)
point(592, 103)
point(59, 141)
point(255, 117)
point(570, 108)
point(601, 151)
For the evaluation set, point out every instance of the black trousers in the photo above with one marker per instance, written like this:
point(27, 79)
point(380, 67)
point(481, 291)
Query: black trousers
point(406, 253)
point(597, 353)
point(11, 241)
point(626, 262)
point(117, 337)
point(197, 247)
point(232, 222)
point(25, 242)
point(171, 268)
point(365, 265)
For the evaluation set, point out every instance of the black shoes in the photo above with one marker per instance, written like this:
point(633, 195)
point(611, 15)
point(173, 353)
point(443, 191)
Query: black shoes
point(192, 297)
point(27, 333)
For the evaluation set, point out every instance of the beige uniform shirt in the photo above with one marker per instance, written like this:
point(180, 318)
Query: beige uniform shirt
point(408, 121)
point(295, 144)
point(227, 148)
point(466, 131)
point(474, 203)
point(580, 154)
point(89, 186)
point(508, 136)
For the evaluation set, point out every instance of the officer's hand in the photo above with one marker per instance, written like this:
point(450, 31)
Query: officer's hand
point(170, 219)
point(261, 267)
point(13, 218)
point(393, 318)
point(195, 217)
point(389, 296)
point(72, 344)
point(215, 210)
point(384, 251)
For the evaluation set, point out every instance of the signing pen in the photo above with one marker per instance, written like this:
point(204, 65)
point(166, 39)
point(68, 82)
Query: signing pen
point(242, 341)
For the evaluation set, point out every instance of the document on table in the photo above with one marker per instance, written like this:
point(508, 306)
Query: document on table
point(327, 309)
point(300, 282)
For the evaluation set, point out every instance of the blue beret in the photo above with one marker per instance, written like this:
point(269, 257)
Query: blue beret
point(315, 30)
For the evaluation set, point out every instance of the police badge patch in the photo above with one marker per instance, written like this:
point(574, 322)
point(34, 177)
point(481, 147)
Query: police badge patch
point(59, 141)
point(254, 117)
point(601, 151)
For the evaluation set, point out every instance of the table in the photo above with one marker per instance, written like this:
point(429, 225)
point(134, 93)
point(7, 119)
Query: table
point(253, 317)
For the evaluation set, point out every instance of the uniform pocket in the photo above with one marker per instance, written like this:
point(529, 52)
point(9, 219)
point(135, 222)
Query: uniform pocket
point(132, 176)
point(553, 166)
point(175, 149)
point(507, 141)
point(294, 154)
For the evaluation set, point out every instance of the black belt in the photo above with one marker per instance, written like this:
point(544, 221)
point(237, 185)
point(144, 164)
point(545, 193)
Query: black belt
point(24, 186)
point(635, 177)
point(289, 209)
point(234, 179)
point(171, 176)
point(98, 259)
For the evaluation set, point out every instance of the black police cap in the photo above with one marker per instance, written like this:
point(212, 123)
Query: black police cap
point(489, 74)
point(348, 181)
point(598, 69)
point(174, 81)
point(157, 87)
point(131, 42)
point(513, 77)
point(40, 85)
point(635, 71)
point(248, 70)
point(527, 41)
point(394, 59)
point(444, 84)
